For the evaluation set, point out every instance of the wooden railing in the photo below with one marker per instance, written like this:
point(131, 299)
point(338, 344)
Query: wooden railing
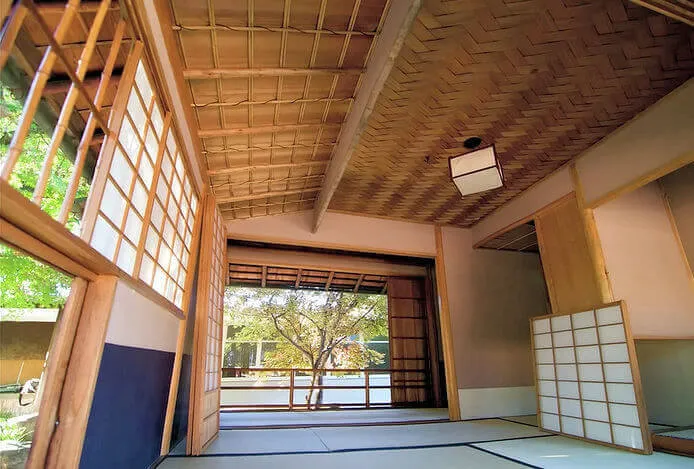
point(399, 379)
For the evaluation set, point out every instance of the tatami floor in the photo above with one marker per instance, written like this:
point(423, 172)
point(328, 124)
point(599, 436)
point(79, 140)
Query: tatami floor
point(488, 443)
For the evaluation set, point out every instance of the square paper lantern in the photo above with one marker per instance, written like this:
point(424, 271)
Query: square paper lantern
point(476, 171)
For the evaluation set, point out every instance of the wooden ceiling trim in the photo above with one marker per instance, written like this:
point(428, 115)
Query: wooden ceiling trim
point(396, 24)
point(242, 169)
point(289, 85)
point(680, 10)
point(266, 195)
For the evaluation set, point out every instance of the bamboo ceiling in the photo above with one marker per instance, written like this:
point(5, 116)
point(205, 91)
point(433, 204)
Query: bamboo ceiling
point(271, 83)
point(542, 80)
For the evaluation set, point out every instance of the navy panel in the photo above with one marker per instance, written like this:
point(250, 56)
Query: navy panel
point(180, 420)
point(127, 416)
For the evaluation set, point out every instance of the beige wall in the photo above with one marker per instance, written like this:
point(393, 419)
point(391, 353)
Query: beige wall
point(679, 189)
point(339, 231)
point(23, 342)
point(645, 264)
point(492, 295)
point(654, 139)
point(667, 378)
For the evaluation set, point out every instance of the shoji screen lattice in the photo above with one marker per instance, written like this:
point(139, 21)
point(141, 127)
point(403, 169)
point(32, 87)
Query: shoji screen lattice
point(144, 217)
point(587, 377)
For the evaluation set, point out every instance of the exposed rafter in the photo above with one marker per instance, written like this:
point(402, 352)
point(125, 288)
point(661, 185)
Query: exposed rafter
point(243, 169)
point(262, 129)
point(264, 195)
point(215, 73)
point(261, 29)
point(396, 26)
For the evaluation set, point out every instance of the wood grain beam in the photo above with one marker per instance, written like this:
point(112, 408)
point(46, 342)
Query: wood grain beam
point(680, 10)
point(216, 73)
point(262, 129)
point(264, 195)
point(397, 24)
point(272, 29)
point(358, 284)
point(303, 164)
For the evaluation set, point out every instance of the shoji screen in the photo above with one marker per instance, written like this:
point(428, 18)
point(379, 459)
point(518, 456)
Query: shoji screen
point(588, 383)
point(207, 349)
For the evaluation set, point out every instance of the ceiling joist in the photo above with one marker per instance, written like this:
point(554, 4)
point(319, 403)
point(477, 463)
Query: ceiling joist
point(266, 195)
point(216, 73)
point(396, 25)
point(265, 129)
point(242, 169)
point(276, 29)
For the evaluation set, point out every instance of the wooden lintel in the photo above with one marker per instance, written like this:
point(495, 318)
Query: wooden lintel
point(396, 26)
point(242, 169)
point(215, 73)
point(264, 195)
point(262, 129)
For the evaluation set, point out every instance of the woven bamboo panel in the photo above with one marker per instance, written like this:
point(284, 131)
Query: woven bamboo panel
point(542, 80)
point(271, 83)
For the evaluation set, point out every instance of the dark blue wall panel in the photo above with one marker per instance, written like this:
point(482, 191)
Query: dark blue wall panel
point(127, 416)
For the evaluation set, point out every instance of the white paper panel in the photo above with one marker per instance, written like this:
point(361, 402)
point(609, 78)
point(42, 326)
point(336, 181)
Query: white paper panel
point(561, 323)
point(543, 340)
point(547, 388)
point(590, 372)
point(595, 411)
point(615, 353)
point(549, 404)
point(541, 326)
point(586, 336)
point(588, 354)
point(562, 339)
point(568, 389)
point(598, 431)
point(609, 315)
point(545, 371)
point(544, 356)
point(550, 422)
point(564, 355)
point(628, 436)
point(572, 426)
point(624, 414)
point(617, 372)
point(593, 391)
point(570, 407)
point(567, 372)
point(621, 393)
point(584, 319)
point(614, 333)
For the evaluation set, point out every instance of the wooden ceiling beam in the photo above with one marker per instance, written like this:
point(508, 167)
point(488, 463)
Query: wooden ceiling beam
point(278, 204)
point(242, 169)
point(680, 10)
point(275, 29)
point(330, 280)
point(358, 284)
point(216, 73)
point(273, 101)
point(89, 6)
point(396, 26)
point(298, 279)
point(267, 147)
point(263, 279)
point(264, 195)
point(263, 129)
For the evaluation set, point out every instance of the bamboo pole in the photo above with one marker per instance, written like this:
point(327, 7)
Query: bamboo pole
point(69, 103)
point(10, 31)
point(37, 85)
point(88, 134)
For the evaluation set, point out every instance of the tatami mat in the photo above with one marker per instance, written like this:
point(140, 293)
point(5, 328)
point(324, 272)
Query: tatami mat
point(266, 441)
point(423, 435)
point(434, 458)
point(328, 417)
point(558, 452)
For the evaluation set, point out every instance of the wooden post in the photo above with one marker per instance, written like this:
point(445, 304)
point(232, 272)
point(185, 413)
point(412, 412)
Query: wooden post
point(367, 392)
point(10, 31)
point(291, 389)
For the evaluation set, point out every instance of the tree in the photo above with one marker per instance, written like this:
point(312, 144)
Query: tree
point(312, 327)
point(24, 282)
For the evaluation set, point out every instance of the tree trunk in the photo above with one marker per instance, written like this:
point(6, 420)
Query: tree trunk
point(319, 397)
point(309, 395)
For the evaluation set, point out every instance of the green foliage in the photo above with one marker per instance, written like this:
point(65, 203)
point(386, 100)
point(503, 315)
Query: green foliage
point(310, 326)
point(24, 282)
point(10, 431)
point(28, 167)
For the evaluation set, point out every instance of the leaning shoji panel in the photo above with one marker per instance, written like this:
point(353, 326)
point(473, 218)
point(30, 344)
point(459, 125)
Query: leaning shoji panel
point(215, 305)
point(587, 378)
point(145, 217)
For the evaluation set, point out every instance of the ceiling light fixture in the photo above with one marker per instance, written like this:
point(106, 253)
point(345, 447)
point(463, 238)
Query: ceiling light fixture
point(476, 171)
